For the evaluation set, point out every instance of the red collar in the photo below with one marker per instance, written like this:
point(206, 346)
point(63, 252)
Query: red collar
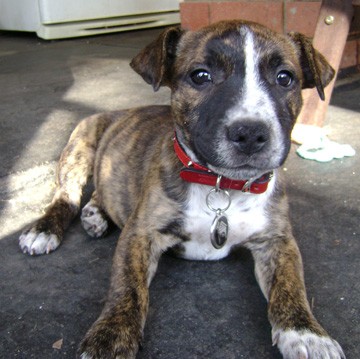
point(198, 174)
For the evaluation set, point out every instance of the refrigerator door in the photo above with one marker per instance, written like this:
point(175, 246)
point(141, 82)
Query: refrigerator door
point(57, 11)
point(56, 19)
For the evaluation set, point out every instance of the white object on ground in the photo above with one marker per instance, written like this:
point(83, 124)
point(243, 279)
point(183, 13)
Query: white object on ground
point(316, 146)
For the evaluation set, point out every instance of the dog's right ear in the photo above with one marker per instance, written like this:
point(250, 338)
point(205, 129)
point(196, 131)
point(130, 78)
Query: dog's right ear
point(155, 62)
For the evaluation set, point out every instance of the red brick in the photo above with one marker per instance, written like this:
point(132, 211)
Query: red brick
point(267, 13)
point(194, 15)
point(302, 17)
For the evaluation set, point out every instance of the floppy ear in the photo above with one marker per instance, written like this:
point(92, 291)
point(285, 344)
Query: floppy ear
point(317, 71)
point(155, 62)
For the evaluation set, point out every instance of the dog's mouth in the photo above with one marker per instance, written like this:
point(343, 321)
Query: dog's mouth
point(244, 172)
point(229, 163)
point(225, 157)
point(222, 157)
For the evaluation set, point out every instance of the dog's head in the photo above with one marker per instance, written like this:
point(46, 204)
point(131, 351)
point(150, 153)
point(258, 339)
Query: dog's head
point(236, 91)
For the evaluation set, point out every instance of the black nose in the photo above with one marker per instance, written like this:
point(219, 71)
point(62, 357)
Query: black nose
point(249, 136)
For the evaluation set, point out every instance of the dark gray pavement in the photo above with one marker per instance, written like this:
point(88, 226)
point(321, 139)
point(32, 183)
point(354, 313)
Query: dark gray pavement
point(198, 309)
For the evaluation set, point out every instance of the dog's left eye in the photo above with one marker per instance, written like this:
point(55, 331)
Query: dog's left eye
point(200, 77)
point(284, 78)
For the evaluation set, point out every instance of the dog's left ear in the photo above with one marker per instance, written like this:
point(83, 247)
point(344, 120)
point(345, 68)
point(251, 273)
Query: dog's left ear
point(317, 71)
point(155, 62)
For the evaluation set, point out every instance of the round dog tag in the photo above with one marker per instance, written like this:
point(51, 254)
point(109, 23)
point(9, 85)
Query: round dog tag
point(219, 231)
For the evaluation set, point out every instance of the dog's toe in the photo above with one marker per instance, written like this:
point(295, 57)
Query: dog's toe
point(34, 242)
point(94, 221)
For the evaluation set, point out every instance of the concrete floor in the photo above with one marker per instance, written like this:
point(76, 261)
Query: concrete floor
point(198, 309)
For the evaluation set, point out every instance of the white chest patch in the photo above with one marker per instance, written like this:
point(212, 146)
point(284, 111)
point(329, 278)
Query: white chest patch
point(246, 217)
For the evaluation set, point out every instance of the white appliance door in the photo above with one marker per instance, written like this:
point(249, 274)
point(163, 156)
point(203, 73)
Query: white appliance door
point(59, 11)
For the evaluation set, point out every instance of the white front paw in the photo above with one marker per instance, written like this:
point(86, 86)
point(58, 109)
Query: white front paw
point(34, 242)
point(303, 344)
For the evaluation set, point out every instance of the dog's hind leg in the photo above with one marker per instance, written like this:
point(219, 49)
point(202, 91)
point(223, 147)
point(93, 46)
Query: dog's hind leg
point(94, 220)
point(75, 167)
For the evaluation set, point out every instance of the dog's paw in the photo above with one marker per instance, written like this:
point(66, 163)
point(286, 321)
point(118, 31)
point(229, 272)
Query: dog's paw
point(303, 344)
point(94, 221)
point(36, 242)
point(106, 342)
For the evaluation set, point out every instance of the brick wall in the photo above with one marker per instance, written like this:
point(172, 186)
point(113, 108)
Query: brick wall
point(280, 15)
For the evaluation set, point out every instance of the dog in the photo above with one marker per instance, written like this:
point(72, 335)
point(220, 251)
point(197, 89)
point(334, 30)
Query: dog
point(199, 177)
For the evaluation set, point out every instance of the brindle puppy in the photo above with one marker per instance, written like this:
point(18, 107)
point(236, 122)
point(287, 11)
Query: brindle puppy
point(236, 94)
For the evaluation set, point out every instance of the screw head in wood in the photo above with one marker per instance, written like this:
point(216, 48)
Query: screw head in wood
point(329, 20)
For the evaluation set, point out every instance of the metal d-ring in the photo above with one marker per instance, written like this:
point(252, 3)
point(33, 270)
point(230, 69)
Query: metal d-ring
point(218, 190)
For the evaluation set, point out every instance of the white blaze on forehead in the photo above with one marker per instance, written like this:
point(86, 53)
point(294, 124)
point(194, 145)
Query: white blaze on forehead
point(254, 101)
point(252, 90)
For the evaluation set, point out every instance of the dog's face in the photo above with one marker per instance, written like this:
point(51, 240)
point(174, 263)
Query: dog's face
point(236, 95)
point(236, 92)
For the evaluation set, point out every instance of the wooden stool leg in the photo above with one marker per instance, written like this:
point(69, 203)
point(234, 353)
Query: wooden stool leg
point(330, 38)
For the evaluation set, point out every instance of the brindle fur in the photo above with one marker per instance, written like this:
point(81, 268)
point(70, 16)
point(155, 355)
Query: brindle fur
point(136, 175)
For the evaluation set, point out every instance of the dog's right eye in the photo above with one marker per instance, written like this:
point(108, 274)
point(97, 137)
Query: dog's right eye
point(200, 77)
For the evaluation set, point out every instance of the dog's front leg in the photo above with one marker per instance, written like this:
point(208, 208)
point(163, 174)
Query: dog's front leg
point(116, 334)
point(279, 271)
